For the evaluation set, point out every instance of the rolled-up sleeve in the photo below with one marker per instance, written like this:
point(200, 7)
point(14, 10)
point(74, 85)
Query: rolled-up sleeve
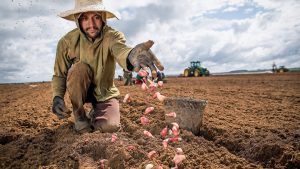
point(61, 67)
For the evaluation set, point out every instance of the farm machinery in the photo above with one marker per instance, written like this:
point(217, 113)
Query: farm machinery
point(281, 69)
point(196, 70)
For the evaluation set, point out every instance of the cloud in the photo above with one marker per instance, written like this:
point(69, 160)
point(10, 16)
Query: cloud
point(224, 34)
point(28, 40)
point(230, 9)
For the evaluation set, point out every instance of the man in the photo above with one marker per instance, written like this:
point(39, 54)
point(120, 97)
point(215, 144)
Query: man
point(85, 66)
point(127, 77)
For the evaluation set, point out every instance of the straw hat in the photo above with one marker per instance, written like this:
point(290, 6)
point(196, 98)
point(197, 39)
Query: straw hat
point(88, 6)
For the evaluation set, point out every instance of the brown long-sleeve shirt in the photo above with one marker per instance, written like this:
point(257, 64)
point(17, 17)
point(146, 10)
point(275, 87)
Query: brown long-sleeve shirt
point(101, 55)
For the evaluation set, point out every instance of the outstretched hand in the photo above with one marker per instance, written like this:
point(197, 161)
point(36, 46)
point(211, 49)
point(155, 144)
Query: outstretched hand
point(142, 57)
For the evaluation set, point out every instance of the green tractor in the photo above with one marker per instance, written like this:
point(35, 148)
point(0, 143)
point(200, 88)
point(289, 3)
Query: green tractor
point(195, 70)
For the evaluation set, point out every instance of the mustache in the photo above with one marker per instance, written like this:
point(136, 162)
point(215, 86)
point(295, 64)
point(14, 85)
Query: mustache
point(94, 27)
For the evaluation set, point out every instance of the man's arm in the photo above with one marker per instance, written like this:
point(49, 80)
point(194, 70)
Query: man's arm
point(61, 66)
point(134, 58)
point(120, 50)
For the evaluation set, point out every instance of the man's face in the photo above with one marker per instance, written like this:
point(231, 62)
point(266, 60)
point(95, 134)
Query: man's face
point(91, 24)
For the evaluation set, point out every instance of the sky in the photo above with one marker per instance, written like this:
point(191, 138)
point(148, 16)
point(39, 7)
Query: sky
point(225, 35)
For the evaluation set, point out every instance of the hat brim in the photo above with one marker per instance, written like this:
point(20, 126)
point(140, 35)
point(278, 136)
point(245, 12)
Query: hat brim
point(69, 15)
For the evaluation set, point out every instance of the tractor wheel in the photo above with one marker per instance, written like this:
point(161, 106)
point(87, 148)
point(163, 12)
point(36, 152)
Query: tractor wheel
point(197, 73)
point(186, 73)
point(207, 73)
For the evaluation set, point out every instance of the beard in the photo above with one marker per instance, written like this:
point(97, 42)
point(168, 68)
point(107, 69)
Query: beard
point(92, 32)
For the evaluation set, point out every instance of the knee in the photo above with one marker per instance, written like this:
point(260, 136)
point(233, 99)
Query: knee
point(81, 67)
point(79, 72)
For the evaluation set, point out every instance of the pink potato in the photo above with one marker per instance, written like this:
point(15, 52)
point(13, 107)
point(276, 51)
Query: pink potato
point(127, 98)
point(148, 110)
point(145, 120)
point(114, 138)
point(171, 114)
point(148, 134)
point(164, 132)
point(152, 154)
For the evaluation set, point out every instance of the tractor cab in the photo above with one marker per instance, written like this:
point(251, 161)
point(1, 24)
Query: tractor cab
point(196, 64)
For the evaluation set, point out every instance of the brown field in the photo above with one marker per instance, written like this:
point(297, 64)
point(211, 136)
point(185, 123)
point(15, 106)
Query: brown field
point(251, 121)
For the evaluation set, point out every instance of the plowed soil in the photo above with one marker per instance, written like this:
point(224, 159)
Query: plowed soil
point(250, 121)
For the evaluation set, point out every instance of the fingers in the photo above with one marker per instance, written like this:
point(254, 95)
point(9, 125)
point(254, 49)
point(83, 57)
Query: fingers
point(59, 112)
point(147, 45)
point(144, 66)
point(136, 67)
point(145, 58)
point(153, 70)
point(155, 60)
point(148, 63)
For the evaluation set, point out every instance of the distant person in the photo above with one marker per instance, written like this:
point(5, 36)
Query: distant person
point(120, 78)
point(127, 77)
point(160, 76)
point(140, 79)
point(85, 66)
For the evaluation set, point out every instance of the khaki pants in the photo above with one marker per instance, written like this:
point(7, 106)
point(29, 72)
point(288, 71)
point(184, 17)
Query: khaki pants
point(106, 116)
